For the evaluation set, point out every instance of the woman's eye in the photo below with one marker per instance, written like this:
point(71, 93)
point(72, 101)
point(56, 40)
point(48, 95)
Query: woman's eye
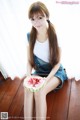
point(32, 19)
point(40, 17)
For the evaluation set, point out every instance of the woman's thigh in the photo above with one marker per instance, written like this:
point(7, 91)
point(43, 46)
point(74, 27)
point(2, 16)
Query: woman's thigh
point(52, 84)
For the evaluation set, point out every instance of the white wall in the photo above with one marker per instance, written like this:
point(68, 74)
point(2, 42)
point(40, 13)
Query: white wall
point(14, 25)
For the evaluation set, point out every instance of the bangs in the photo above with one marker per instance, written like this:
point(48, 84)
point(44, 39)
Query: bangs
point(35, 10)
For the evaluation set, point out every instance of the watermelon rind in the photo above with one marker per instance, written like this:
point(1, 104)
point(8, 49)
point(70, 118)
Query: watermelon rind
point(33, 89)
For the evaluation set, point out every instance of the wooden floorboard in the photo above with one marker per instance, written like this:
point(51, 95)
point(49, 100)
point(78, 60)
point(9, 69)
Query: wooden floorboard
point(10, 92)
point(74, 106)
point(63, 104)
point(50, 100)
point(60, 102)
point(3, 87)
point(17, 103)
point(21, 116)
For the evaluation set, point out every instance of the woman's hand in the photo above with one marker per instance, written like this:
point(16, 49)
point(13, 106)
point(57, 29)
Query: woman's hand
point(46, 80)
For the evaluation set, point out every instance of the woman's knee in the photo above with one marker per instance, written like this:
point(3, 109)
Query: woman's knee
point(39, 95)
point(28, 93)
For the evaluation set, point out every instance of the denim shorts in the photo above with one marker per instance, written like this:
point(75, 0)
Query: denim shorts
point(43, 69)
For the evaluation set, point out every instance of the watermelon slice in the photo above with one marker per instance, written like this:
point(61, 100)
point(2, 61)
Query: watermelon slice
point(34, 83)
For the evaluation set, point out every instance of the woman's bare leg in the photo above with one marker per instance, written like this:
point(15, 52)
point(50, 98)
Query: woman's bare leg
point(41, 107)
point(28, 104)
point(40, 98)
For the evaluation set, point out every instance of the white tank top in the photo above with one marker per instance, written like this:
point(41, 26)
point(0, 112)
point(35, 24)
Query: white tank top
point(41, 50)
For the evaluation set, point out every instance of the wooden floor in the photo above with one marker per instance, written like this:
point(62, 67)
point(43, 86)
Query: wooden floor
point(62, 105)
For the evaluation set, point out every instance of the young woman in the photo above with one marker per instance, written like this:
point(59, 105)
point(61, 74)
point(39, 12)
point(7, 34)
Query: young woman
point(44, 57)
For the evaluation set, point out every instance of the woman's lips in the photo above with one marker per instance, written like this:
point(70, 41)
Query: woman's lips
point(38, 26)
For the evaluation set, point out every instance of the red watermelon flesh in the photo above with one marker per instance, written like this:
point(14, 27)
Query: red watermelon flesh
point(34, 81)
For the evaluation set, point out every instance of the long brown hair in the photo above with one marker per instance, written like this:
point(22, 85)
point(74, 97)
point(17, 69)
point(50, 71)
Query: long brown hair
point(39, 7)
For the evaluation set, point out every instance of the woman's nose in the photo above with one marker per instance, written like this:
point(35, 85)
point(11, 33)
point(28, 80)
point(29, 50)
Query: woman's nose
point(36, 21)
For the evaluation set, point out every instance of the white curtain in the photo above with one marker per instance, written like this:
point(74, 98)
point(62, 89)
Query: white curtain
point(67, 21)
point(13, 38)
point(13, 28)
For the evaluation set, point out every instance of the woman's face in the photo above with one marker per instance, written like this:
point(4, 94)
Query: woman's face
point(39, 21)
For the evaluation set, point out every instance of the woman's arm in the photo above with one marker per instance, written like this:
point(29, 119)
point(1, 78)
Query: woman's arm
point(29, 67)
point(53, 71)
